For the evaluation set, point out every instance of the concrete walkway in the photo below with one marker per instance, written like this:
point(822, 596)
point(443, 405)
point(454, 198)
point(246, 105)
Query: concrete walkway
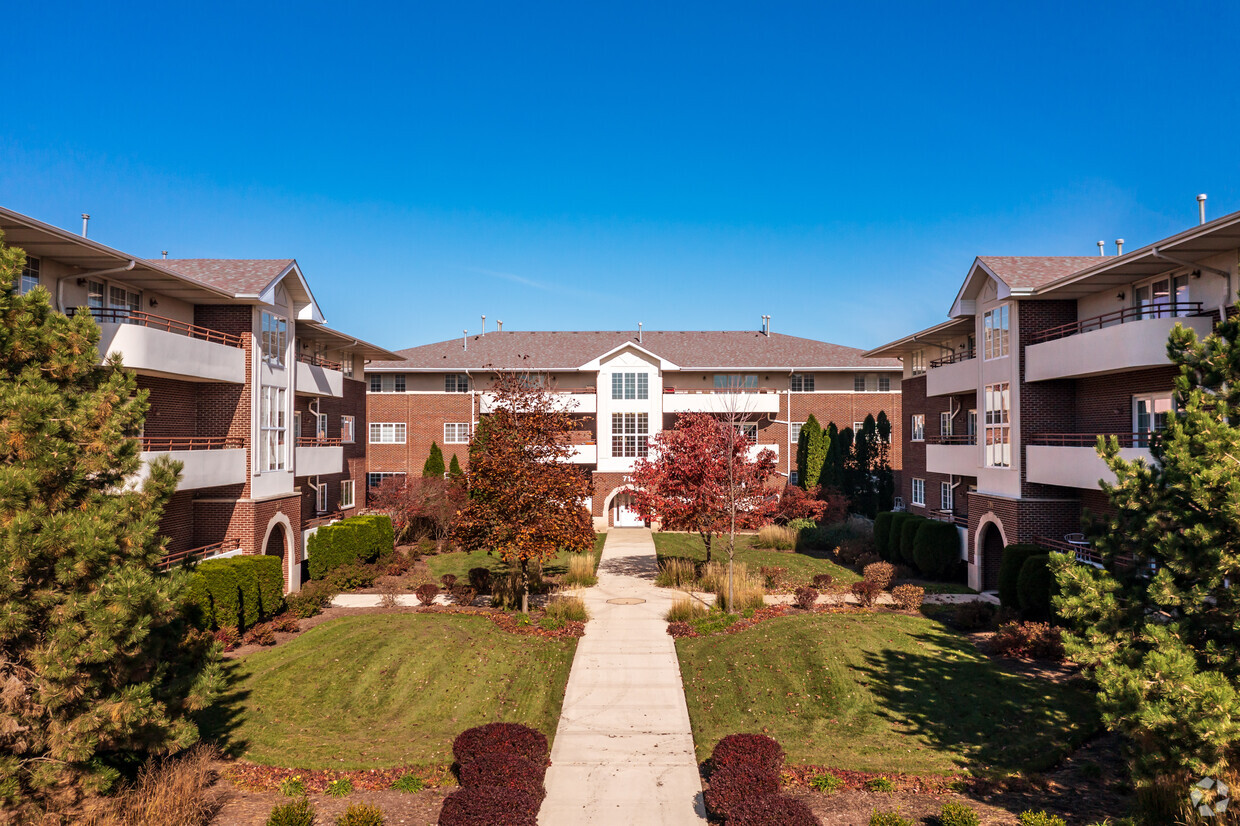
point(623, 752)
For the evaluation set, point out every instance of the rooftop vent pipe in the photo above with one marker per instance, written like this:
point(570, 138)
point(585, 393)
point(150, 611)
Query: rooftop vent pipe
point(499, 326)
point(639, 332)
point(1119, 246)
point(766, 326)
point(1201, 208)
point(85, 221)
point(1102, 247)
point(165, 253)
point(484, 325)
point(465, 339)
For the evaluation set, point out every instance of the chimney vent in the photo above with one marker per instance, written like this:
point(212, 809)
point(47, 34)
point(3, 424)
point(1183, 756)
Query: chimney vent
point(1102, 247)
point(639, 332)
point(1119, 246)
point(85, 221)
point(484, 325)
point(164, 253)
point(1201, 207)
point(465, 340)
point(499, 326)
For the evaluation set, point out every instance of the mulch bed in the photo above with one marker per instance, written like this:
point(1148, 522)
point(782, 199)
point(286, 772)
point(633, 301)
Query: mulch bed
point(684, 629)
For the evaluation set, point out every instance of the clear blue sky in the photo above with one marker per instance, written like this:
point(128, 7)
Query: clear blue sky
point(582, 166)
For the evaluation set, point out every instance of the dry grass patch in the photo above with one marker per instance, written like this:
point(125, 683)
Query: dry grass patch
point(170, 791)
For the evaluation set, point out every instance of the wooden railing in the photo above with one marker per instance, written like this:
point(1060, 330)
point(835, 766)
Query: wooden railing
point(1084, 553)
point(318, 361)
point(161, 444)
point(1183, 309)
point(722, 390)
point(963, 355)
point(953, 439)
point(960, 520)
point(1091, 439)
point(319, 441)
point(323, 519)
point(194, 554)
point(157, 322)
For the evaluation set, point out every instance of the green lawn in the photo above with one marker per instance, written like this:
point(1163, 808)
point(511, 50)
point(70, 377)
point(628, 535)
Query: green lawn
point(879, 692)
point(386, 690)
point(460, 562)
point(801, 565)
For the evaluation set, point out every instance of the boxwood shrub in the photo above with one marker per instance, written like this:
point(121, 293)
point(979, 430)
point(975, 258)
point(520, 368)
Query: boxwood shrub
point(238, 591)
point(352, 540)
point(251, 593)
point(219, 580)
point(1034, 587)
point(270, 573)
point(936, 548)
point(487, 806)
point(882, 533)
point(892, 553)
point(1013, 560)
point(908, 536)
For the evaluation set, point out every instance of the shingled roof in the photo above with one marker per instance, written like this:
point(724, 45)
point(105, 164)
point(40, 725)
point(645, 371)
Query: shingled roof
point(1033, 271)
point(690, 350)
point(239, 276)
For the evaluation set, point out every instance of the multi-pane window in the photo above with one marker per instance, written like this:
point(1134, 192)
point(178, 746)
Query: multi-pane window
point(919, 492)
point(970, 423)
point(320, 498)
point(373, 480)
point(884, 384)
point(272, 435)
point(995, 333)
point(802, 382)
point(387, 433)
point(858, 383)
point(792, 477)
point(630, 385)
point(346, 494)
point(387, 383)
point(629, 434)
point(275, 337)
point(346, 430)
point(945, 424)
point(917, 362)
point(857, 428)
point(95, 295)
point(320, 426)
point(1149, 415)
point(946, 502)
point(736, 381)
point(749, 430)
point(456, 433)
point(346, 364)
point(456, 383)
point(1163, 297)
point(998, 425)
point(794, 431)
point(917, 427)
point(29, 279)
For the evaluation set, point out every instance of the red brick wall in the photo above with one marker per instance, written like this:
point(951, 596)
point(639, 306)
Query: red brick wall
point(843, 409)
point(424, 415)
point(1104, 403)
point(224, 409)
point(1045, 406)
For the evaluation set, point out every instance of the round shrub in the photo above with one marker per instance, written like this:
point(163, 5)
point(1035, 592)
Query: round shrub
point(908, 597)
point(865, 592)
point(489, 806)
point(888, 819)
point(958, 814)
point(1014, 557)
point(806, 597)
point(297, 813)
point(748, 749)
point(511, 739)
point(772, 810)
point(426, 592)
point(880, 573)
point(936, 548)
point(882, 532)
point(480, 580)
point(504, 771)
point(908, 536)
point(1034, 587)
point(821, 581)
point(737, 783)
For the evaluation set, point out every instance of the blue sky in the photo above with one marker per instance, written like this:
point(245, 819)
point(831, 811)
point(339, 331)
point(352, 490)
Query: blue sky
point(590, 166)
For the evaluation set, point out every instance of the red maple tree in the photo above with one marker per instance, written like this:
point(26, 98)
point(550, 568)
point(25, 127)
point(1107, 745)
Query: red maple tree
point(420, 505)
point(701, 478)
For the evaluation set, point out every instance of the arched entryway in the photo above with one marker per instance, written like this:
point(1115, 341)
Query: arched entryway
point(279, 542)
point(624, 512)
point(990, 551)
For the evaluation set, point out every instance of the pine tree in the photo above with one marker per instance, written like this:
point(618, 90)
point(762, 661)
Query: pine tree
point(832, 476)
point(98, 665)
point(802, 448)
point(434, 467)
point(846, 467)
point(1158, 628)
point(865, 482)
point(454, 469)
point(882, 468)
point(814, 454)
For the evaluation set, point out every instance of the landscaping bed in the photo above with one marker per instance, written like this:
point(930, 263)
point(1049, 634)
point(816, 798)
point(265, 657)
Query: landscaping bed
point(800, 565)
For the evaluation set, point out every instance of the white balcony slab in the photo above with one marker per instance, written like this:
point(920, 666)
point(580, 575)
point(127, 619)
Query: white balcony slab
point(1134, 345)
point(744, 403)
point(203, 468)
point(318, 461)
point(313, 380)
point(754, 450)
point(585, 455)
point(1073, 467)
point(572, 402)
point(960, 377)
point(172, 355)
point(961, 460)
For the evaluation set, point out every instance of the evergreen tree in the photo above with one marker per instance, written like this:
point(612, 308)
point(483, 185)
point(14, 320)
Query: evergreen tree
point(846, 465)
point(1158, 628)
point(815, 452)
point(454, 469)
point(832, 476)
point(98, 665)
point(802, 448)
point(865, 456)
point(434, 466)
point(886, 482)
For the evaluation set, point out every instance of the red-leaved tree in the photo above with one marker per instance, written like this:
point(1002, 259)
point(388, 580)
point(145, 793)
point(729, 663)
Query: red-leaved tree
point(700, 478)
point(527, 501)
point(423, 502)
point(796, 502)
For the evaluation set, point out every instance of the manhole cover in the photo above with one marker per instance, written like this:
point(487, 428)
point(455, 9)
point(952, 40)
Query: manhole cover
point(626, 601)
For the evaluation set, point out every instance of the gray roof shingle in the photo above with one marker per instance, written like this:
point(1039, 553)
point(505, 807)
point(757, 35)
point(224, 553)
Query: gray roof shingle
point(1033, 271)
point(240, 276)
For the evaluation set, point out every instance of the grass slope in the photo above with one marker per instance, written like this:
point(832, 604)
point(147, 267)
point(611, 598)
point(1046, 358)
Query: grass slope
point(459, 562)
point(878, 692)
point(385, 690)
point(801, 565)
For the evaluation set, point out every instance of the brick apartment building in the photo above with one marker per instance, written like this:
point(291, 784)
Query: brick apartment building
point(625, 387)
point(262, 402)
point(1003, 403)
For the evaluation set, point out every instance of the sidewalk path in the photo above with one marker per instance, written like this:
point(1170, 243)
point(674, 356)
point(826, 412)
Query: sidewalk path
point(623, 752)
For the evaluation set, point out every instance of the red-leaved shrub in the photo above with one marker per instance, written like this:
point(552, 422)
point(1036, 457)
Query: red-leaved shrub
point(806, 597)
point(1036, 640)
point(489, 806)
point(821, 581)
point(734, 784)
point(511, 739)
point(772, 810)
point(504, 771)
point(426, 592)
point(748, 749)
point(866, 592)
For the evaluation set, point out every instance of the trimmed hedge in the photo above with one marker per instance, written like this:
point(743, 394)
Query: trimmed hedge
point(1014, 557)
point(936, 548)
point(504, 771)
point(251, 594)
point(488, 806)
point(512, 739)
point(748, 749)
point(898, 519)
point(270, 573)
point(219, 580)
point(237, 592)
point(773, 810)
point(908, 536)
point(734, 784)
point(882, 532)
point(349, 541)
point(1034, 587)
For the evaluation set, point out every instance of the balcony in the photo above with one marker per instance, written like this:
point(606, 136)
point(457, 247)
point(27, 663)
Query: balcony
point(1071, 460)
point(1131, 339)
point(579, 400)
point(207, 461)
point(957, 455)
point(754, 450)
point(158, 346)
point(748, 401)
point(316, 376)
point(585, 454)
point(956, 373)
point(318, 456)
point(217, 550)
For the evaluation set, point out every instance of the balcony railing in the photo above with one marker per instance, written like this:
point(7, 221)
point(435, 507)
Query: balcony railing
point(1137, 440)
point(960, 520)
point(1084, 552)
point(963, 355)
point(194, 554)
point(158, 322)
point(164, 444)
point(318, 361)
point(952, 439)
point(319, 441)
point(1183, 309)
point(720, 390)
point(323, 519)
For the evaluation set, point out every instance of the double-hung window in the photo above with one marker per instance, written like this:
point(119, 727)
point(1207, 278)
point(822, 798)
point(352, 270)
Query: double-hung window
point(387, 383)
point(320, 498)
point(734, 381)
point(387, 433)
point(630, 433)
point(858, 383)
point(794, 432)
point(884, 384)
point(917, 427)
point(749, 430)
point(995, 332)
point(373, 480)
point(1149, 415)
point(456, 433)
point(456, 383)
point(346, 430)
point(945, 424)
point(346, 494)
point(272, 419)
point(946, 501)
point(917, 362)
point(630, 385)
point(275, 338)
point(802, 383)
point(29, 278)
point(998, 425)
point(919, 492)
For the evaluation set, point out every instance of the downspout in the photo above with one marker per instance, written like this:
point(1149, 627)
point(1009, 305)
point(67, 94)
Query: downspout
point(60, 282)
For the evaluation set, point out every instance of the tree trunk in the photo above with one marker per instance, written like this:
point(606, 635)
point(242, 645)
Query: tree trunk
point(525, 586)
point(706, 542)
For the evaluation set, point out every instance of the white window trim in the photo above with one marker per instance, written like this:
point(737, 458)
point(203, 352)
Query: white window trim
point(794, 432)
point(997, 341)
point(918, 487)
point(320, 498)
point(273, 429)
point(383, 475)
point(917, 427)
point(348, 427)
point(384, 428)
point(917, 362)
point(945, 424)
point(274, 351)
point(635, 444)
point(452, 433)
point(947, 499)
point(347, 501)
point(998, 422)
